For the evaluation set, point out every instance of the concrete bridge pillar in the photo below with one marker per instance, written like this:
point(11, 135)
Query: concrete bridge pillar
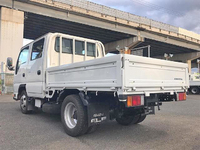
point(11, 33)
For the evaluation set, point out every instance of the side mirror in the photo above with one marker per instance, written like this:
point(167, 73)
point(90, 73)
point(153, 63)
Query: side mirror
point(10, 64)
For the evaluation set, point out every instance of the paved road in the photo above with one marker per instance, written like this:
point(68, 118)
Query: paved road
point(175, 127)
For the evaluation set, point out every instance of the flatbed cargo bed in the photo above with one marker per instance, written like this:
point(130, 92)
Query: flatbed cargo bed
point(125, 74)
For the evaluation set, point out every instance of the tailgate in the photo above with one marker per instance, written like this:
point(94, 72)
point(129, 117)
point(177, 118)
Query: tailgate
point(142, 74)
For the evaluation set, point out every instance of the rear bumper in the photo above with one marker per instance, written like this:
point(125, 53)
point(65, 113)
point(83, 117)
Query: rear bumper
point(157, 97)
point(147, 92)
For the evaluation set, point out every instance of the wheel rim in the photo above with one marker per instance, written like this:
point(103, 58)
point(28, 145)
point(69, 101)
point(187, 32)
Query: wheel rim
point(70, 115)
point(194, 91)
point(23, 102)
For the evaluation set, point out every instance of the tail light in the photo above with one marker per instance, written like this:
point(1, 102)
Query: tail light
point(136, 100)
point(181, 96)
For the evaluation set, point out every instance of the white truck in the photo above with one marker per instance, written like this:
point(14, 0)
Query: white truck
point(194, 83)
point(70, 75)
point(194, 87)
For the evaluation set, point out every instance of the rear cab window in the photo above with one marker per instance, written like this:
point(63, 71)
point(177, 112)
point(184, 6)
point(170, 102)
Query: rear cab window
point(67, 47)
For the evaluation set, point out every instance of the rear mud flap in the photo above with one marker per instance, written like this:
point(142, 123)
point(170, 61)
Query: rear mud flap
point(97, 113)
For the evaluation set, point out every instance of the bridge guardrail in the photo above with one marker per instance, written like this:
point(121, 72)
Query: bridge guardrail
point(118, 13)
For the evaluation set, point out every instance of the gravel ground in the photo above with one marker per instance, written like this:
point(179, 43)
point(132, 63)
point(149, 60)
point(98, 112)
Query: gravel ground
point(175, 127)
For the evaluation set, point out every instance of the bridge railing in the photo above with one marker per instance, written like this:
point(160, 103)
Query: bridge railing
point(118, 14)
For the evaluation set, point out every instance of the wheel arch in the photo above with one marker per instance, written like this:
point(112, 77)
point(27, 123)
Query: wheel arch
point(20, 89)
point(65, 93)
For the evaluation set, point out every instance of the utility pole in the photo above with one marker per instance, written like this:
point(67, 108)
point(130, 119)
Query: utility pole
point(12, 4)
point(198, 61)
point(149, 51)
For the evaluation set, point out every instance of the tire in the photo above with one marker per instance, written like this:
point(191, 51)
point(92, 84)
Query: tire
point(91, 129)
point(74, 116)
point(127, 120)
point(194, 90)
point(141, 119)
point(24, 103)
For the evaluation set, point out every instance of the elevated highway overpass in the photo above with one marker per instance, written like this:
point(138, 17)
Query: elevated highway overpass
point(90, 20)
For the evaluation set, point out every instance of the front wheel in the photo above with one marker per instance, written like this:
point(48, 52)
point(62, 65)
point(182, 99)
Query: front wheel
point(74, 116)
point(24, 102)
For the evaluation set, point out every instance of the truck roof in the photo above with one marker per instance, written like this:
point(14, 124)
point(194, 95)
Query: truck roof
point(56, 33)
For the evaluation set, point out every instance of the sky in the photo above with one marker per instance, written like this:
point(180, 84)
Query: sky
point(180, 13)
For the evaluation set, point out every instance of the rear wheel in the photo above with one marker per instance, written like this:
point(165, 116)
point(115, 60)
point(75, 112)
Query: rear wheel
point(127, 120)
point(74, 116)
point(24, 103)
point(194, 90)
point(91, 129)
point(141, 119)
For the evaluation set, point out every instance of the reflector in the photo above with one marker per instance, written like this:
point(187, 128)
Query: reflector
point(136, 100)
point(182, 96)
point(129, 101)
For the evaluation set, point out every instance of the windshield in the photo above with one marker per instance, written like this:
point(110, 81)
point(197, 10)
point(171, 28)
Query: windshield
point(23, 56)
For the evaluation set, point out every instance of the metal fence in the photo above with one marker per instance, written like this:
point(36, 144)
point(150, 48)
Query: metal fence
point(6, 83)
point(6, 80)
point(118, 14)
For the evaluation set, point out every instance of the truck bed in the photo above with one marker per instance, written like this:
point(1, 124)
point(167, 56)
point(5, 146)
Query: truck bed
point(194, 83)
point(124, 74)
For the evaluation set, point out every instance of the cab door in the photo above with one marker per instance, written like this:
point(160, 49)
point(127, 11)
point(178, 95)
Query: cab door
point(35, 70)
point(20, 76)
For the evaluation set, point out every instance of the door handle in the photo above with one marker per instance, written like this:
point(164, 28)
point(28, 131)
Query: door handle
point(39, 72)
point(23, 75)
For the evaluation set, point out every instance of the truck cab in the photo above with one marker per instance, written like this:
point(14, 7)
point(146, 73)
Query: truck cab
point(51, 50)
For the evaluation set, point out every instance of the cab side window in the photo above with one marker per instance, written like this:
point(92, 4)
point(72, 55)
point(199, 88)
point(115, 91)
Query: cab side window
point(37, 49)
point(22, 59)
point(79, 48)
point(67, 45)
point(91, 49)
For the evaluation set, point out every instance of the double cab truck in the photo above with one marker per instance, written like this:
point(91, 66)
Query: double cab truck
point(70, 75)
